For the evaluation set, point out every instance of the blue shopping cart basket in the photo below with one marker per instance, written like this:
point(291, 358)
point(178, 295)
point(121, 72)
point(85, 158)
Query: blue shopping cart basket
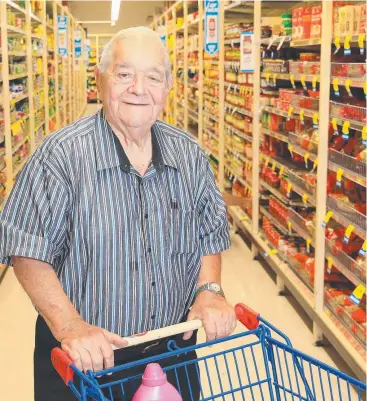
point(259, 364)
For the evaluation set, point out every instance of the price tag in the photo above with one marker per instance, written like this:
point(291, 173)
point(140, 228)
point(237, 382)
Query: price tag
point(290, 148)
point(328, 216)
point(364, 136)
point(303, 82)
point(362, 251)
point(339, 175)
point(261, 157)
point(361, 43)
point(289, 223)
point(267, 77)
point(314, 82)
point(347, 84)
point(275, 79)
point(308, 243)
point(16, 128)
point(334, 123)
point(336, 86)
point(281, 171)
point(357, 294)
point(345, 130)
point(329, 264)
point(315, 119)
point(267, 161)
point(244, 218)
point(290, 111)
point(273, 252)
point(347, 51)
point(274, 165)
point(291, 77)
point(348, 232)
point(315, 164)
point(337, 44)
point(289, 189)
point(306, 157)
point(302, 116)
point(304, 198)
point(365, 88)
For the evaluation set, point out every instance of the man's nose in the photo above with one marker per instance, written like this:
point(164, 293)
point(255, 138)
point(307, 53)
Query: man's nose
point(138, 87)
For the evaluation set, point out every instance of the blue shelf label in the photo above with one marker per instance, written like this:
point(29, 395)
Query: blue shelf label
point(62, 35)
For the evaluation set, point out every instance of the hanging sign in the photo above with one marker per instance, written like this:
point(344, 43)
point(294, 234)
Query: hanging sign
point(211, 24)
point(78, 44)
point(62, 35)
point(86, 51)
point(247, 51)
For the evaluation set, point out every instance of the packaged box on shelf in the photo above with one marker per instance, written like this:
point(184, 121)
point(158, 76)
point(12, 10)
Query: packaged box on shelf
point(362, 19)
point(316, 21)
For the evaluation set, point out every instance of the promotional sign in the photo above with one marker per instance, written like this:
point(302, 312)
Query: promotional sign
point(247, 48)
point(86, 51)
point(78, 44)
point(211, 24)
point(62, 35)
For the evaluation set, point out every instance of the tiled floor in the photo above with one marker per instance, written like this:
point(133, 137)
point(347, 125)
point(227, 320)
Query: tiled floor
point(244, 280)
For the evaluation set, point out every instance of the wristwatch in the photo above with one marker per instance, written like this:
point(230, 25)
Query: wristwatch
point(212, 287)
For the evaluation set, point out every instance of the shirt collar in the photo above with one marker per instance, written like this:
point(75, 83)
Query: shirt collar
point(110, 152)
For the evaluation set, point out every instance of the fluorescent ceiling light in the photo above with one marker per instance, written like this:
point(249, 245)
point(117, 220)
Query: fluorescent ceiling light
point(115, 9)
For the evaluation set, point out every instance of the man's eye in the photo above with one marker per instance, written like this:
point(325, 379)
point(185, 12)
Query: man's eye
point(154, 79)
point(123, 75)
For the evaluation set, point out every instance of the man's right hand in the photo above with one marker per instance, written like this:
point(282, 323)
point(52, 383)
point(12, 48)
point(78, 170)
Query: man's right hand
point(90, 347)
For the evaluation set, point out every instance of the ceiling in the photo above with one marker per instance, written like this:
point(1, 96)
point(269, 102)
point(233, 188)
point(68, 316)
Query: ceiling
point(132, 13)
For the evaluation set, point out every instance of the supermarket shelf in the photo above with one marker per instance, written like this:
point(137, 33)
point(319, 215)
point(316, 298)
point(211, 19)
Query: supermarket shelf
point(237, 132)
point(237, 87)
point(346, 215)
point(209, 116)
point(38, 91)
point(234, 109)
point(211, 134)
point(306, 42)
point(354, 82)
point(19, 167)
point(357, 125)
point(276, 40)
point(302, 188)
point(304, 228)
point(283, 113)
point(281, 137)
point(16, 30)
point(353, 169)
point(287, 77)
point(19, 98)
point(42, 123)
point(17, 76)
point(353, 39)
point(232, 42)
point(209, 81)
point(279, 195)
point(49, 27)
point(35, 18)
point(238, 178)
point(193, 117)
point(211, 98)
point(39, 108)
point(16, 53)
point(232, 65)
point(19, 144)
point(351, 351)
point(211, 153)
point(239, 156)
point(16, 7)
point(277, 223)
point(345, 264)
point(210, 62)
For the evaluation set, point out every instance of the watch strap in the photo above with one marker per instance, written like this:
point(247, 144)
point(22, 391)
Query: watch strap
point(209, 287)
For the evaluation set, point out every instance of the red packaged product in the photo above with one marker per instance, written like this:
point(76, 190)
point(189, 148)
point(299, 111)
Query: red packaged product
point(306, 22)
point(295, 23)
point(316, 21)
point(359, 315)
point(362, 23)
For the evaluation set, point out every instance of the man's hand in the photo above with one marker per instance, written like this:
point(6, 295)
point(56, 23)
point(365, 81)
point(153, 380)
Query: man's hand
point(89, 346)
point(216, 313)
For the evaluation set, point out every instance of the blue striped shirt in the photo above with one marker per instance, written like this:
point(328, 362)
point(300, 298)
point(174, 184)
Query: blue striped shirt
point(127, 249)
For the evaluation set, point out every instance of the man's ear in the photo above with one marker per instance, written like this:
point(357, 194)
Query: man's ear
point(99, 82)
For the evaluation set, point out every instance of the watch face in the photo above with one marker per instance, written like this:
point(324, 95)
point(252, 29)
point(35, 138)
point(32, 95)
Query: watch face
point(215, 287)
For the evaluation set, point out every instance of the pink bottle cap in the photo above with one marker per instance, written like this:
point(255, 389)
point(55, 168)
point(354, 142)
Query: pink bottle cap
point(154, 376)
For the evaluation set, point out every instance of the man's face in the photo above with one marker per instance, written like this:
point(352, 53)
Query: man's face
point(134, 88)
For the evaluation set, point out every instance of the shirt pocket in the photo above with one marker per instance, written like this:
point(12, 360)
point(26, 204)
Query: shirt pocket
point(182, 231)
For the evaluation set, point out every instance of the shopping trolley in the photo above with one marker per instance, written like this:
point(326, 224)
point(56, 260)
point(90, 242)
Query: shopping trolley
point(259, 364)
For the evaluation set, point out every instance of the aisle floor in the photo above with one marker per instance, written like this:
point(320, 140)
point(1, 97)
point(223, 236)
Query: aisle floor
point(244, 280)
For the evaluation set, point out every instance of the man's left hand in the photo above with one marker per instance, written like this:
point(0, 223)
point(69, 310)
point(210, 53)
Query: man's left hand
point(218, 316)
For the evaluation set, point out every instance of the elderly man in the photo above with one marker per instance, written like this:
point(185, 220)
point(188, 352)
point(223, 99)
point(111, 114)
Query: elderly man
point(115, 226)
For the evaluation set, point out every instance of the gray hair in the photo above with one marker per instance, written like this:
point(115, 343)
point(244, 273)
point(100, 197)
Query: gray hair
point(134, 32)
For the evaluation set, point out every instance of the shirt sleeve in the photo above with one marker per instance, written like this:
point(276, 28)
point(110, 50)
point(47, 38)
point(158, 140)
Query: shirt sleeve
point(34, 221)
point(214, 227)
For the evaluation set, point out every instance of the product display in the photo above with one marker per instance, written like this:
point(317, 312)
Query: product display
point(36, 95)
point(283, 153)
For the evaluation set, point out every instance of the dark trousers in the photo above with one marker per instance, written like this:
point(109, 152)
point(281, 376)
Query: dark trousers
point(48, 386)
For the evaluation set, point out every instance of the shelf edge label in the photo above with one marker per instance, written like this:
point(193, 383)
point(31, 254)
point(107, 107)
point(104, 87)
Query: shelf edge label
point(211, 24)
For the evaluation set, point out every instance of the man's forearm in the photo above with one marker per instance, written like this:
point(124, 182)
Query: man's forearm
point(40, 282)
point(210, 271)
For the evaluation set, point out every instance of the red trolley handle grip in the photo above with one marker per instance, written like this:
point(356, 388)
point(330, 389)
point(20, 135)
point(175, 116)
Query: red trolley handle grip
point(63, 363)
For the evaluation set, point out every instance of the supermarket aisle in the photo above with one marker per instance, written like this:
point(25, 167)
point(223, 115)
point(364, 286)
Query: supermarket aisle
point(244, 281)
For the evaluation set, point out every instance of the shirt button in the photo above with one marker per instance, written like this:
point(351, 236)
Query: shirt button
point(153, 316)
point(149, 250)
point(153, 283)
point(146, 215)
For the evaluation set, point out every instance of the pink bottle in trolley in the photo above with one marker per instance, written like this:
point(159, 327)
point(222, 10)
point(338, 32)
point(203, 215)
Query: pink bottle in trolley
point(155, 386)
